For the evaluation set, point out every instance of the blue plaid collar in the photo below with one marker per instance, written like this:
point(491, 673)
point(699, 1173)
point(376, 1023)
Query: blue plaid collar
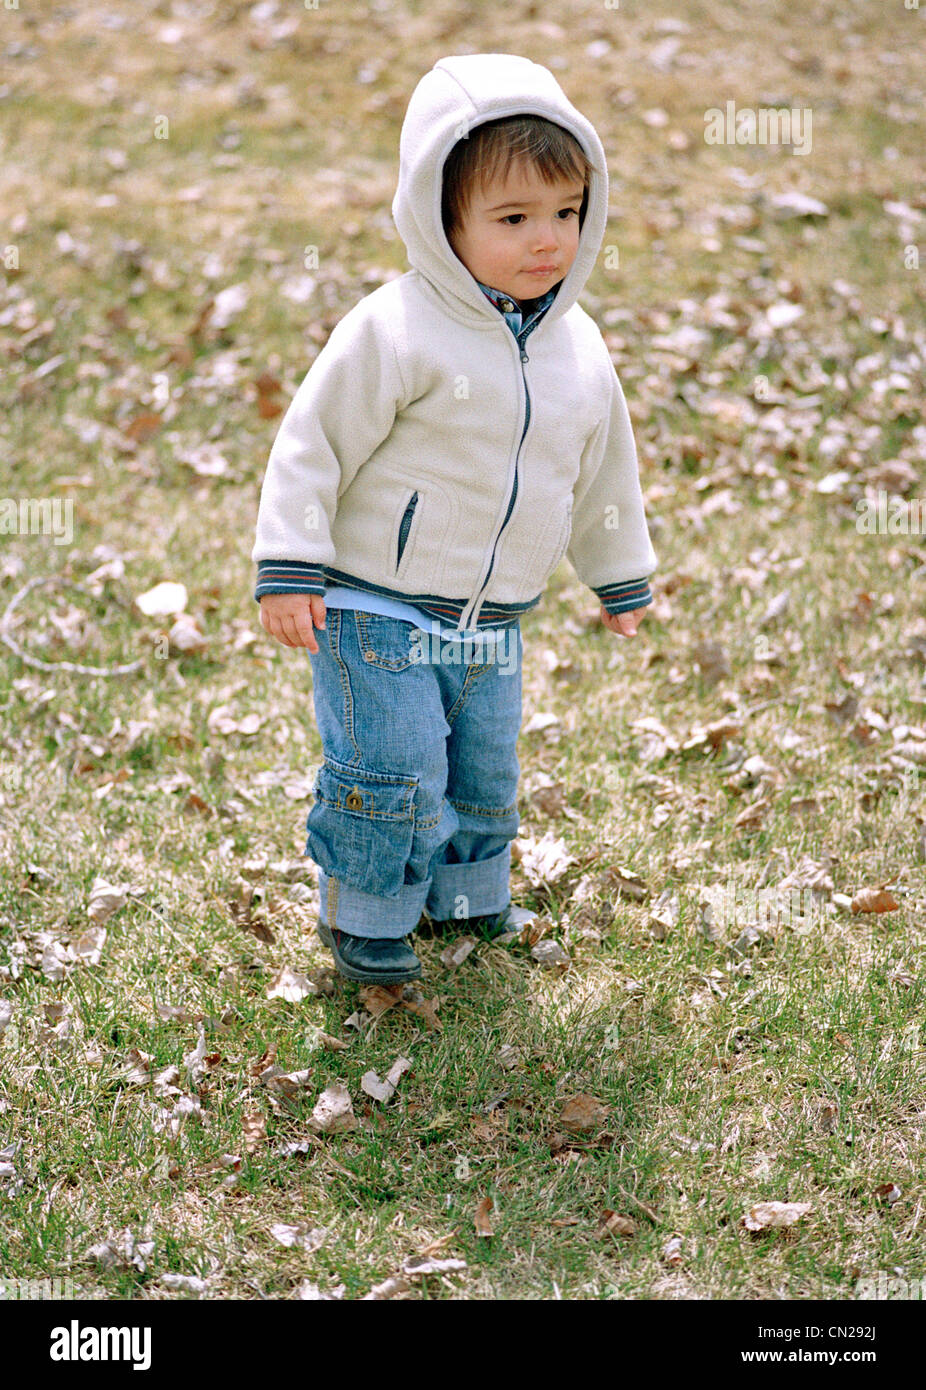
point(512, 308)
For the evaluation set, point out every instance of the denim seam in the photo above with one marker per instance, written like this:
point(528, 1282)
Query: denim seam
point(371, 774)
point(482, 810)
point(334, 617)
point(404, 814)
point(472, 672)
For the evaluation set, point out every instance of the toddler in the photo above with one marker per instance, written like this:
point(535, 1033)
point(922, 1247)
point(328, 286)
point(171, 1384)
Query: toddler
point(461, 430)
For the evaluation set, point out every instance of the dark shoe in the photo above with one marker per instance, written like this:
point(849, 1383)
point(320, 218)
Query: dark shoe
point(372, 960)
point(485, 928)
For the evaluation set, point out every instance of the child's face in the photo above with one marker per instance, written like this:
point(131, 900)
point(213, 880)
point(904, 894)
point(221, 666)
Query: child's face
point(521, 234)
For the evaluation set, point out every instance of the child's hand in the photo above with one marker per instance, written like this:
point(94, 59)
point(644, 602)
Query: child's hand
point(292, 618)
point(624, 623)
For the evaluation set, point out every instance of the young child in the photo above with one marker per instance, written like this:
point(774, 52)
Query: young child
point(461, 430)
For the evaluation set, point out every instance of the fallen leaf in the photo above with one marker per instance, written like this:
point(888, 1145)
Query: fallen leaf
point(483, 1217)
point(384, 1090)
point(875, 900)
point(285, 1083)
point(377, 999)
point(614, 1224)
point(290, 985)
point(770, 1215)
point(550, 954)
point(105, 899)
point(163, 598)
point(334, 1111)
point(546, 860)
point(305, 1238)
point(455, 954)
point(254, 1128)
point(583, 1114)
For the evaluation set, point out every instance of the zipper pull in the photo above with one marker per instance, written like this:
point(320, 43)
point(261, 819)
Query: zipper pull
point(524, 356)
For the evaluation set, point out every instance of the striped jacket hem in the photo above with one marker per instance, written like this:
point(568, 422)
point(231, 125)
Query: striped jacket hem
point(298, 577)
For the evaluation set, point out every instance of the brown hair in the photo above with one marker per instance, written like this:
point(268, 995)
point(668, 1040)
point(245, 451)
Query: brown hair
point(491, 149)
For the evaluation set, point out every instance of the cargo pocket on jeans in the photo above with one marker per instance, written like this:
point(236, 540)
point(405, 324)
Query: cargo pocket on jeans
point(361, 827)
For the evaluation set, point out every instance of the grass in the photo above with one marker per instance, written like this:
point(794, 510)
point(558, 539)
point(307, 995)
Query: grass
point(790, 1069)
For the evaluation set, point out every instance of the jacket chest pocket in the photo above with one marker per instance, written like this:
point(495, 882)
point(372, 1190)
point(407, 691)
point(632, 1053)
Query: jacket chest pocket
point(405, 525)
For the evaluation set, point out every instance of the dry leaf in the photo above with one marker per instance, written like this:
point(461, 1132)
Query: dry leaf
point(614, 1224)
point(255, 1129)
point(105, 899)
point(142, 426)
point(162, 599)
point(55, 959)
point(550, 954)
point(222, 721)
point(290, 985)
point(389, 1288)
point(546, 860)
point(185, 636)
point(283, 1083)
point(875, 900)
point(455, 954)
point(508, 1056)
point(384, 1090)
point(377, 999)
point(416, 1265)
point(195, 1061)
point(583, 1114)
point(255, 1068)
point(305, 1238)
point(625, 881)
point(753, 815)
point(768, 1215)
point(483, 1217)
point(334, 1111)
point(89, 946)
point(414, 1001)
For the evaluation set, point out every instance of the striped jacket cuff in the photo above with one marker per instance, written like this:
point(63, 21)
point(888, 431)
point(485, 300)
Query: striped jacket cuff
point(288, 577)
point(623, 598)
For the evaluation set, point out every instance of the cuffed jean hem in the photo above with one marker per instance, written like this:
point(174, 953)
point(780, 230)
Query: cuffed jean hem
point(365, 914)
point(477, 887)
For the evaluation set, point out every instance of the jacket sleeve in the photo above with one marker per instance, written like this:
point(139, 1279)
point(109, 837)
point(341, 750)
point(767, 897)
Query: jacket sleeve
point(610, 547)
point(342, 411)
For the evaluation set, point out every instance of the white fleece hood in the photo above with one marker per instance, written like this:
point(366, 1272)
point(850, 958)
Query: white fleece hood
point(458, 94)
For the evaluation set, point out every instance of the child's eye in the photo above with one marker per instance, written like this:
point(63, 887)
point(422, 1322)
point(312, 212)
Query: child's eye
point(510, 215)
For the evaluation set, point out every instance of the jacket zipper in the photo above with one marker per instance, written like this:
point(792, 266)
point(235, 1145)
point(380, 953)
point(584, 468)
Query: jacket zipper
point(471, 612)
point(405, 526)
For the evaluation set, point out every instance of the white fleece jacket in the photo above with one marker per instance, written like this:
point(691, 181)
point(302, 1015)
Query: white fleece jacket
point(422, 404)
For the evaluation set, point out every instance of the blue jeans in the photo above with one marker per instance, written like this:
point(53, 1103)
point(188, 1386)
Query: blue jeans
point(416, 799)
